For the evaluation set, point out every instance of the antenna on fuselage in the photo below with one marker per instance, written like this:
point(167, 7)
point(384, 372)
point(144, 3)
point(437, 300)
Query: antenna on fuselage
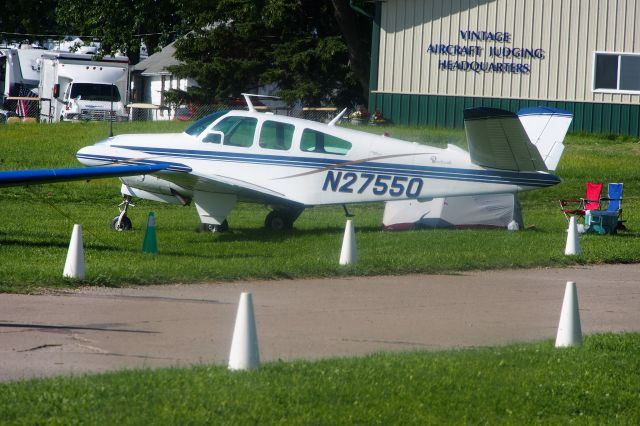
point(247, 99)
point(337, 118)
point(248, 96)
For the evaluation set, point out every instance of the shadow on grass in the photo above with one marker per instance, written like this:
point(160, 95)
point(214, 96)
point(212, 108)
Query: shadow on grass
point(266, 235)
point(58, 244)
point(212, 255)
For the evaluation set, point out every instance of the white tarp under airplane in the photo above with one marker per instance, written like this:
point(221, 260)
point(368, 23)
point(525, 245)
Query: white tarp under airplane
point(471, 211)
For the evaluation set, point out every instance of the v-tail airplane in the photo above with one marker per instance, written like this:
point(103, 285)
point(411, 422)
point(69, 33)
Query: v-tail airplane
point(292, 164)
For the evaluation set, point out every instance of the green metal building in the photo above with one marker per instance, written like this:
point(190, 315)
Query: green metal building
point(431, 59)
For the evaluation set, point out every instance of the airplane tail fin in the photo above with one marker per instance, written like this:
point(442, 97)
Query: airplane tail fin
point(528, 141)
point(546, 128)
point(497, 140)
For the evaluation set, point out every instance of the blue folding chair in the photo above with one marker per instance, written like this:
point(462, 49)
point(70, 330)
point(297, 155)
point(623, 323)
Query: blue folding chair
point(614, 200)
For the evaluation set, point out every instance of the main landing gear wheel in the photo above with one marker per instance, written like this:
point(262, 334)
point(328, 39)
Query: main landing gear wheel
point(278, 221)
point(125, 223)
point(223, 227)
point(206, 227)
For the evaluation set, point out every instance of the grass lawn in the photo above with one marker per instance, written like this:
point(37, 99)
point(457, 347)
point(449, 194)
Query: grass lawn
point(517, 384)
point(37, 222)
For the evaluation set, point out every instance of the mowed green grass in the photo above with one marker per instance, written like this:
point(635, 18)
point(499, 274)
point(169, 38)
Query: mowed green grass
point(37, 222)
point(598, 383)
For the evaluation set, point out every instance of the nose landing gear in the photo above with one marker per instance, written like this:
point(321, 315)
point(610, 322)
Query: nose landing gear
point(122, 222)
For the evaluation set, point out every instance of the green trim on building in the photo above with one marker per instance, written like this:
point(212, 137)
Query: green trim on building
point(446, 111)
point(375, 51)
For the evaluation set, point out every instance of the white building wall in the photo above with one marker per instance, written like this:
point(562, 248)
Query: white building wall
point(153, 88)
point(567, 31)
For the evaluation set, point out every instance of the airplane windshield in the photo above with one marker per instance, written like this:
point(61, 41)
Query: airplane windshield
point(196, 128)
point(238, 131)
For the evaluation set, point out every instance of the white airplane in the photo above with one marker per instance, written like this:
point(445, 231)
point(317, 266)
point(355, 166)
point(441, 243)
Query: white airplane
point(292, 164)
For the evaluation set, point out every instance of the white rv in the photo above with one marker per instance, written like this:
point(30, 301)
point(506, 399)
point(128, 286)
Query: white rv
point(75, 87)
point(19, 77)
point(19, 70)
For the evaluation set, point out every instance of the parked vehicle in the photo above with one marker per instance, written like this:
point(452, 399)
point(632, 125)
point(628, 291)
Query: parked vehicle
point(19, 77)
point(76, 87)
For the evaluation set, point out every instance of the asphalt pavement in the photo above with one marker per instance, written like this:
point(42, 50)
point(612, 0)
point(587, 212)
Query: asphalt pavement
point(97, 329)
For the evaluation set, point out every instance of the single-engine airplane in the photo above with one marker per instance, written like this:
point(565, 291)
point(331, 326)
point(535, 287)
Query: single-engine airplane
point(291, 164)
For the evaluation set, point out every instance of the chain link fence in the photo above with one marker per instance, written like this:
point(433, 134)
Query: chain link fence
point(19, 109)
point(192, 112)
point(28, 109)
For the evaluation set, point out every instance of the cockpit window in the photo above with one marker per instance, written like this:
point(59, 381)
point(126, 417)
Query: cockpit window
point(238, 131)
point(275, 135)
point(314, 141)
point(196, 128)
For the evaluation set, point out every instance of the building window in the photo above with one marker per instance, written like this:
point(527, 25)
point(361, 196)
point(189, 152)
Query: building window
point(616, 72)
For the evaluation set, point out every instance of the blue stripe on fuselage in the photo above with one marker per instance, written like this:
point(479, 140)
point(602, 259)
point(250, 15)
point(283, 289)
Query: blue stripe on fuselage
point(126, 160)
point(489, 176)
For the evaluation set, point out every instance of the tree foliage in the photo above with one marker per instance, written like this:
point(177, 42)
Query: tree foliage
point(296, 44)
point(32, 17)
point(314, 50)
point(121, 25)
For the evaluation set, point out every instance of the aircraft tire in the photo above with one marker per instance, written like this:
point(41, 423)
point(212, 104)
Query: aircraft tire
point(206, 227)
point(223, 227)
point(125, 224)
point(278, 221)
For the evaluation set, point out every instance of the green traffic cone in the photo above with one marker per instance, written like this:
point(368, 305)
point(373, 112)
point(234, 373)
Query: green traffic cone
point(150, 244)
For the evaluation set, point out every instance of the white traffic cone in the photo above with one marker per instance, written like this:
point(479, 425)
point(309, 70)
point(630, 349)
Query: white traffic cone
point(74, 265)
point(245, 354)
point(569, 329)
point(573, 241)
point(349, 252)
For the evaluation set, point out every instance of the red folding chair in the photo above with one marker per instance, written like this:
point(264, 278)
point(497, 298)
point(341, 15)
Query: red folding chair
point(591, 201)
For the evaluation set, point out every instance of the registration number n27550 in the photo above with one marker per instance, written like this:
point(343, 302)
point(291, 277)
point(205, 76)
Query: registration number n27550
point(350, 182)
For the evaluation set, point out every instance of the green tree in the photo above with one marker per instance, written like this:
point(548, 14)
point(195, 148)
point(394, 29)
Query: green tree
point(121, 25)
point(27, 17)
point(297, 44)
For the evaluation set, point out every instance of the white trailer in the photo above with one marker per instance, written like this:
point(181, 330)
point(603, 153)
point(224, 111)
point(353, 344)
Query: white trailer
point(19, 77)
point(75, 87)
point(19, 69)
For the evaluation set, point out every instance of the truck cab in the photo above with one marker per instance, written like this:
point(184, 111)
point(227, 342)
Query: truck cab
point(80, 88)
point(91, 101)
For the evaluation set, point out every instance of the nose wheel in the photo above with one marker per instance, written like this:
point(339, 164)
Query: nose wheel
point(122, 222)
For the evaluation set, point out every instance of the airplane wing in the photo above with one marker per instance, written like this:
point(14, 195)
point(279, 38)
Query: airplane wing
point(32, 177)
point(498, 140)
point(243, 189)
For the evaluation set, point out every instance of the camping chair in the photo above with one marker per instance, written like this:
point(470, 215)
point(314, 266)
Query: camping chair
point(614, 202)
point(591, 201)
